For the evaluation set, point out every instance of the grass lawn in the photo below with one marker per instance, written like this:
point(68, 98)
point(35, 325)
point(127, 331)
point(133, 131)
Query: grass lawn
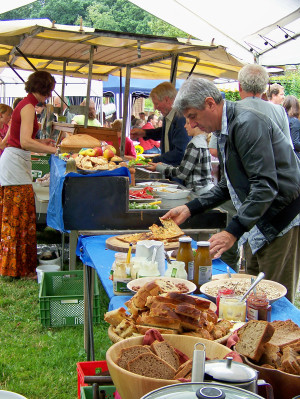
point(38, 362)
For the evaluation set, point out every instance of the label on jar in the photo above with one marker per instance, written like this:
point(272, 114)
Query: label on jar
point(252, 314)
point(120, 286)
point(205, 274)
point(174, 272)
point(191, 270)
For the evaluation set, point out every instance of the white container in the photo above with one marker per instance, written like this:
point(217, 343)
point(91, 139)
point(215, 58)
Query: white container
point(55, 261)
point(10, 395)
point(45, 268)
point(146, 249)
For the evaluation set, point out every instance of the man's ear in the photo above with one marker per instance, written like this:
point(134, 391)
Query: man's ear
point(210, 103)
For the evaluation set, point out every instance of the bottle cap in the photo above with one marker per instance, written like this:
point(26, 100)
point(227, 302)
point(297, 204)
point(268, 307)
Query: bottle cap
point(185, 239)
point(203, 243)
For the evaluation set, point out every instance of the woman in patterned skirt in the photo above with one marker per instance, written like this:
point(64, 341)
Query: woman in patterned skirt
point(18, 252)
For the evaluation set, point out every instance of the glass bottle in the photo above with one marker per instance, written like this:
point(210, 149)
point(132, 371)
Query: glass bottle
point(202, 264)
point(185, 254)
point(258, 307)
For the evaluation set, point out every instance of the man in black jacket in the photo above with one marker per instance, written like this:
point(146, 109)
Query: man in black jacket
point(261, 177)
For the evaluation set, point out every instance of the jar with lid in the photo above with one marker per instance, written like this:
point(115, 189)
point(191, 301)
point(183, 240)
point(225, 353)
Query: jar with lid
point(202, 264)
point(222, 292)
point(258, 307)
point(176, 269)
point(185, 254)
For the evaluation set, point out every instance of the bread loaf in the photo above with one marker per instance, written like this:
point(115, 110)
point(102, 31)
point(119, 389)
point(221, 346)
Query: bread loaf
point(158, 321)
point(80, 141)
point(114, 317)
point(150, 365)
point(252, 337)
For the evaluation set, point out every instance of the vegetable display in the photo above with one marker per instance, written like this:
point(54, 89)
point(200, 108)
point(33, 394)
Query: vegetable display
point(146, 193)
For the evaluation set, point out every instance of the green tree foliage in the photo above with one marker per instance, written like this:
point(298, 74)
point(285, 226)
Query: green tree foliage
point(290, 81)
point(115, 15)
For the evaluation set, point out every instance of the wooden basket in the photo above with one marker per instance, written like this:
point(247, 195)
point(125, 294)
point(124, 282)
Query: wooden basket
point(134, 386)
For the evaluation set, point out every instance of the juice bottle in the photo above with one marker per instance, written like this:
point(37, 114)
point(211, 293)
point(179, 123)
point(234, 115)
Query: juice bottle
point(185, 254)
point(202, 264)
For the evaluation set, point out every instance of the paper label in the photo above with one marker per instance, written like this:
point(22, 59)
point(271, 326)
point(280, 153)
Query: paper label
point(205, 274)
point(191, 270)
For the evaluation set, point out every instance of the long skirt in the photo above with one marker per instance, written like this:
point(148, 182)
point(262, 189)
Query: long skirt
point(18, 250)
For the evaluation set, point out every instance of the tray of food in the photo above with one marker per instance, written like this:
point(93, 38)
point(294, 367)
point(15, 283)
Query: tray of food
point(156, 184)
point(272, 289)
point(172, 193)
point(171, 284)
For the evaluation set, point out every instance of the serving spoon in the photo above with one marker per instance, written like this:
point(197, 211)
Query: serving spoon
point(257, 280)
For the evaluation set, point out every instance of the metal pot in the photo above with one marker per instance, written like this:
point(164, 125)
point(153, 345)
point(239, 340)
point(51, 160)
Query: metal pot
point(235, 374)
point(200, 390)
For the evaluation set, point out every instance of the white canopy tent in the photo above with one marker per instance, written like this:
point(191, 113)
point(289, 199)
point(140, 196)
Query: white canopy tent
point(12, 4)
point(262, 31)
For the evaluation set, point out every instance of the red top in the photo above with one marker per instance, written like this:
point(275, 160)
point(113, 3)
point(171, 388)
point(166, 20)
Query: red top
point(148, 144)
point(14, 136)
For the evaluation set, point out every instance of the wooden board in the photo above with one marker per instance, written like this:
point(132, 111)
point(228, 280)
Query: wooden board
point(120, 246)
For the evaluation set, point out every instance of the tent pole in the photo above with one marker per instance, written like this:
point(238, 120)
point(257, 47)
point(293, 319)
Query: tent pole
point(125, 109)
point(121, 95)
point(87, 104)
point(63, 86)
point(174, 69)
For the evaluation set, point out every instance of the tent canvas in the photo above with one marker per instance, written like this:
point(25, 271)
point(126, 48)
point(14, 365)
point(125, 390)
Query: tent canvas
point(267, 31)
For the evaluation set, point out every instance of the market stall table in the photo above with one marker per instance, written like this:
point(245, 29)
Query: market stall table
point(98, 203)
point(94, 254)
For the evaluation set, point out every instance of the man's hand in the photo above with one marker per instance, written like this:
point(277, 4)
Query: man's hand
point(151, 166)
point(220, 243)
point(137, 133)
point(178, 214)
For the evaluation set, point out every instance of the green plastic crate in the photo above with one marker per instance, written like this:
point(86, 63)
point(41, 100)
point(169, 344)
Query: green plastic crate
point(40, 166)
point(87, 392)
point(62, 300)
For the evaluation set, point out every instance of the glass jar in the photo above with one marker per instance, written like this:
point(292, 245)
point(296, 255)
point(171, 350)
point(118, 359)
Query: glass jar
point(176, 269)
point(121, 274)
point(258, 307)
point(202, 264)
point(222, 292)
point(148, 269)
point(185, 254)
point(232, 308)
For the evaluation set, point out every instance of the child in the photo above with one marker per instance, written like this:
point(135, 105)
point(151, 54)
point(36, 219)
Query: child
point(5, 116)
point(195, 167)
point(130, 152)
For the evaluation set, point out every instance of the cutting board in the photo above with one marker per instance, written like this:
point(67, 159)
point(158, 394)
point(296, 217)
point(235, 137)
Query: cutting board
point(120, 246)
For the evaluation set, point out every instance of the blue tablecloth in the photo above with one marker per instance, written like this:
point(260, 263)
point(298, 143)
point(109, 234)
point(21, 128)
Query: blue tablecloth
point(92, 252)
point(57, 178)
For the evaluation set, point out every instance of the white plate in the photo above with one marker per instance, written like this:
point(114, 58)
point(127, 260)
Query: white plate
point(139, 282)
point(217, 284)
point(156, 184)
point(173, 194)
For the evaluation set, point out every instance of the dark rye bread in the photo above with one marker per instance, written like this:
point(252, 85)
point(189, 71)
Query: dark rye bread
point(252, 337)
point(150, 365)
point(165, 351)
point(128, 354)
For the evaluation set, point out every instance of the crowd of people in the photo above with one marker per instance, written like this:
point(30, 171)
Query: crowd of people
point(256, 141)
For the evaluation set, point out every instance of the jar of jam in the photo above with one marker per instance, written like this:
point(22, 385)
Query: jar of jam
point(222, 292)
point(231, 307)
point(258, 307)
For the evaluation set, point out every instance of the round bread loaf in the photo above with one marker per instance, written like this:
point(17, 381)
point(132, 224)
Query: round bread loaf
point(78, 141)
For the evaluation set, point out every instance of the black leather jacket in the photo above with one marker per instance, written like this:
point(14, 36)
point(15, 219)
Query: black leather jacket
point(263, 170)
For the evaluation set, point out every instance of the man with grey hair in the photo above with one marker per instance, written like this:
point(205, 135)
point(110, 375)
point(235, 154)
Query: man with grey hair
point(65, 110)
point(172, 135)
point(253, 80)
point(261, 175)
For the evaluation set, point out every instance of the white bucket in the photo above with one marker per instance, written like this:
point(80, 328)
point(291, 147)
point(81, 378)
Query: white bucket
point(10, 395)
point(55, 261)
point(45, 268)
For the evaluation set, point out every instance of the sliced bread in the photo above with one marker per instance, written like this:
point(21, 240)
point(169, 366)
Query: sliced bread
point(166, 352)
point(150, 365)
point(252, 337)
point(184, 370)
point(286, 332)
point(128, 354)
